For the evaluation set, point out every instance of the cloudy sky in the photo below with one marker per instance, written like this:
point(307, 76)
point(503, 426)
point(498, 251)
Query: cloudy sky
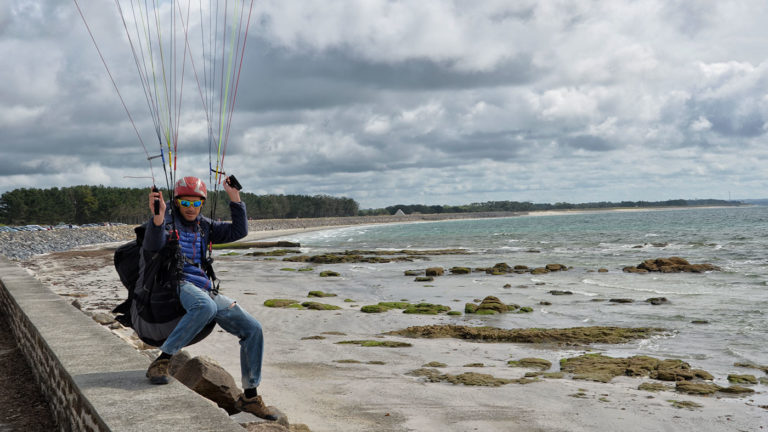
point(429, 101)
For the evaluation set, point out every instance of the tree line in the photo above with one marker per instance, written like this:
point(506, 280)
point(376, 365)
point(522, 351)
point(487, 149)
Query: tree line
point(516, 206)
point(93, 204)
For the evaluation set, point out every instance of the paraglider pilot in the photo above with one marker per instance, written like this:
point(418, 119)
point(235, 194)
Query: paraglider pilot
point(197, 293)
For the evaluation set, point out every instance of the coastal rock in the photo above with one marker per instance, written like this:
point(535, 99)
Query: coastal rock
point(414, 272)
point(489, 306)
point(435, 271)
point(426, 309)
point(696, 388)
point(531, 362)
point(742, 379)
point(103, 318)
point(539, 270)
point(621, 300)
point(320, 294)
point(460, 270)
point(281, 303)
point(736, 389)
point(559, 292)
point(319, 306)
point(634, 270)
point(670, 265)
point(556, 267)
point(572, 335)
point(657, 300)
point(424, 279)
point(210, 380)
point(177, 361)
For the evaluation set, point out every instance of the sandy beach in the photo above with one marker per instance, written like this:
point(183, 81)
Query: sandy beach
point(346, 387)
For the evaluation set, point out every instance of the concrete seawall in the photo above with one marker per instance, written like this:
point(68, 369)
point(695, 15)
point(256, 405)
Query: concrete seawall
point(93, 380)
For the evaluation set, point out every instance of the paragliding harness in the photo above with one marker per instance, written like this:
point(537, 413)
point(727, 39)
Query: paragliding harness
point(155, 301)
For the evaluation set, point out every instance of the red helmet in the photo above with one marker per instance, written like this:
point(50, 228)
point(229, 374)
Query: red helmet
point(190, 186)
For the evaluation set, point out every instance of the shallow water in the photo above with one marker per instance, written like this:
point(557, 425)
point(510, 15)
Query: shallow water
point(734, 301)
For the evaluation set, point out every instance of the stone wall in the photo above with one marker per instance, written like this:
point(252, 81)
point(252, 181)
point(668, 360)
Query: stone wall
point(93, 380)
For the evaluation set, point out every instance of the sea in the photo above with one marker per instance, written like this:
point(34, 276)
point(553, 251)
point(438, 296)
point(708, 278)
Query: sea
point(732, 302)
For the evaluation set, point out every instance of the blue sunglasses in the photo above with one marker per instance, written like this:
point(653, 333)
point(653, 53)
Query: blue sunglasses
point(188, 203)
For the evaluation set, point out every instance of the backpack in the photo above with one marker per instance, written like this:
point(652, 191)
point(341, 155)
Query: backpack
point(153, 308)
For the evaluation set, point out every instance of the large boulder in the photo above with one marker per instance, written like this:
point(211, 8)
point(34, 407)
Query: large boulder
point(210, 380)
point(671, 265)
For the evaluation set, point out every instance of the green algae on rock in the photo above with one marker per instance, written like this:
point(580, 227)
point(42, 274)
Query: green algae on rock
point(491, 305)
point(374, 309)
point(466, 378)
point(426, 309)
point(319, 306)
point(424, 279)
point(313, 338)
point(581, 335)
point(375, 343)
point(349, 361)
point(742, 379)
point(474, 365)
point(685, 404)
point(531, 362)
point(435, 364)
point(320, 294)
point(736, 389)
point(281, 303)
point(752, 366)
point(329, 273)
point(655, 387)
point(597, 367)
point(697, 388)
point(460, 270)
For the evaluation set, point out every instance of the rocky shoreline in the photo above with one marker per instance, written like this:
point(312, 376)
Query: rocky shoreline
point(24, 244)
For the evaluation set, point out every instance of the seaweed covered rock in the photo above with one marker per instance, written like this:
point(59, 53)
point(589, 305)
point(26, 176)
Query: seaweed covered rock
point(466, 378)
point(319, 306)
point(696, 388)
point(499, 269)
point(572, 335)
point(320, 294)
point(597, 367)
point(426, 309)
point(489, 306)
point(531, 363)
point(670, 265)
point(435, 271)
point(460, 270)
point(742, 379)
point(281, 303)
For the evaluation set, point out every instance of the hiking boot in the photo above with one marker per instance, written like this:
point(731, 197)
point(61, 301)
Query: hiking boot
point(158, 371)
point(256, 407)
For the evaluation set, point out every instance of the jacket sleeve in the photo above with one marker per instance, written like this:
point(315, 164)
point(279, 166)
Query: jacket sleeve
point(155, 237)
point(226, 232)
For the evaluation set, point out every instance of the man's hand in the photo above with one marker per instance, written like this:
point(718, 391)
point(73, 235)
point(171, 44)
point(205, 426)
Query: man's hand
point(157, 219)
point(234, 194)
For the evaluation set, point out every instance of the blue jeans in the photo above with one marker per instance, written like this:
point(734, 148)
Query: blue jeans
point(201, 309)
